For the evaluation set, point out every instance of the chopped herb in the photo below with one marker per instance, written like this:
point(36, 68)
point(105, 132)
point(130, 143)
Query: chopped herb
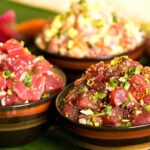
point(132, 71)
point(87, 112)
point(28, 79)
point(9, 92)
point(45, 95)
point(124, 105)
point(8, 74)
point(113, 82)
point(107, 110)
point(137, 70)
point(82, 90)
point(97, 124)
point(137, 112)
point(126, 85)
point(99, 114)
point(130, 97)
point(14, 82)
point(115, 18)
point(147, 91)
point(41, 58)
point(142, 102)
point(34, 70)
point(127, 124)
point(147, 107)
point(98, 95)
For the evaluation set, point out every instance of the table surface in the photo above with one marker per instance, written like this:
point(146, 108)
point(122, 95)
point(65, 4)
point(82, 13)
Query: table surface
point(54, 138)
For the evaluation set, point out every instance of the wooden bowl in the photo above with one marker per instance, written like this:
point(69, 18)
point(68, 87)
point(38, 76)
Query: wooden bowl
point(100, 136)
point(84, 63)
point(23, 123)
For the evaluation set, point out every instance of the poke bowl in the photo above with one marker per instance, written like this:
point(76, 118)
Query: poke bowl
point(85, 35)
point(28, 85)
point(108, 105)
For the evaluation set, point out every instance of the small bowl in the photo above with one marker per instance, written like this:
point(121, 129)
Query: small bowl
point(23, 123)
point(85, 135)
point(84, 63)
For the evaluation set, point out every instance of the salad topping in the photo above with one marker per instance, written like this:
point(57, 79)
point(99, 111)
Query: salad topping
point(83, 32)
point(24, 77)
point(115, 94)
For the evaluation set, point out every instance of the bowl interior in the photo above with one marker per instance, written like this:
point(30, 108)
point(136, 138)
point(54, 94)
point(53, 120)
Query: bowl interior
point(60, 103)
point(41, 101)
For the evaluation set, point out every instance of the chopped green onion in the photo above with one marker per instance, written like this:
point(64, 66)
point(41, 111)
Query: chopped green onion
point(9, 92)
point(87, 112)
point(126, 85)
point(34, 70)
point(113, 82)
point(124, 105)
point(125, 120)
point(137, 70)
point(45, 95)
point(107, 110)
point(127, 124)
point(98, 95)
point(147, 91)
point(142, 102)
point(96, 124)
point(99, 114)
point(8, 74)
point(137, 112)
point(130, 97)
point(147, 107)
point(72, 32)
point(28, 79)
point(132, 71)
point(82, 90)
point(115, 18)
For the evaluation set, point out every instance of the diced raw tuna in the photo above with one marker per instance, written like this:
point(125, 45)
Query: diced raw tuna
point(20, 89)
point(36, 90)
point(147, 99)
point(10, 100)
point(118, 96)
point(143, 118)
point(84, 102)
point(137, 86)
point(70, 112)
point(53, 82)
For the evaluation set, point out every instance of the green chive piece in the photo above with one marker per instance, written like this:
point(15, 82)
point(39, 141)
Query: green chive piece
point(113, 82)
point(147, 107)
point(8, 74)
point(28, 79)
